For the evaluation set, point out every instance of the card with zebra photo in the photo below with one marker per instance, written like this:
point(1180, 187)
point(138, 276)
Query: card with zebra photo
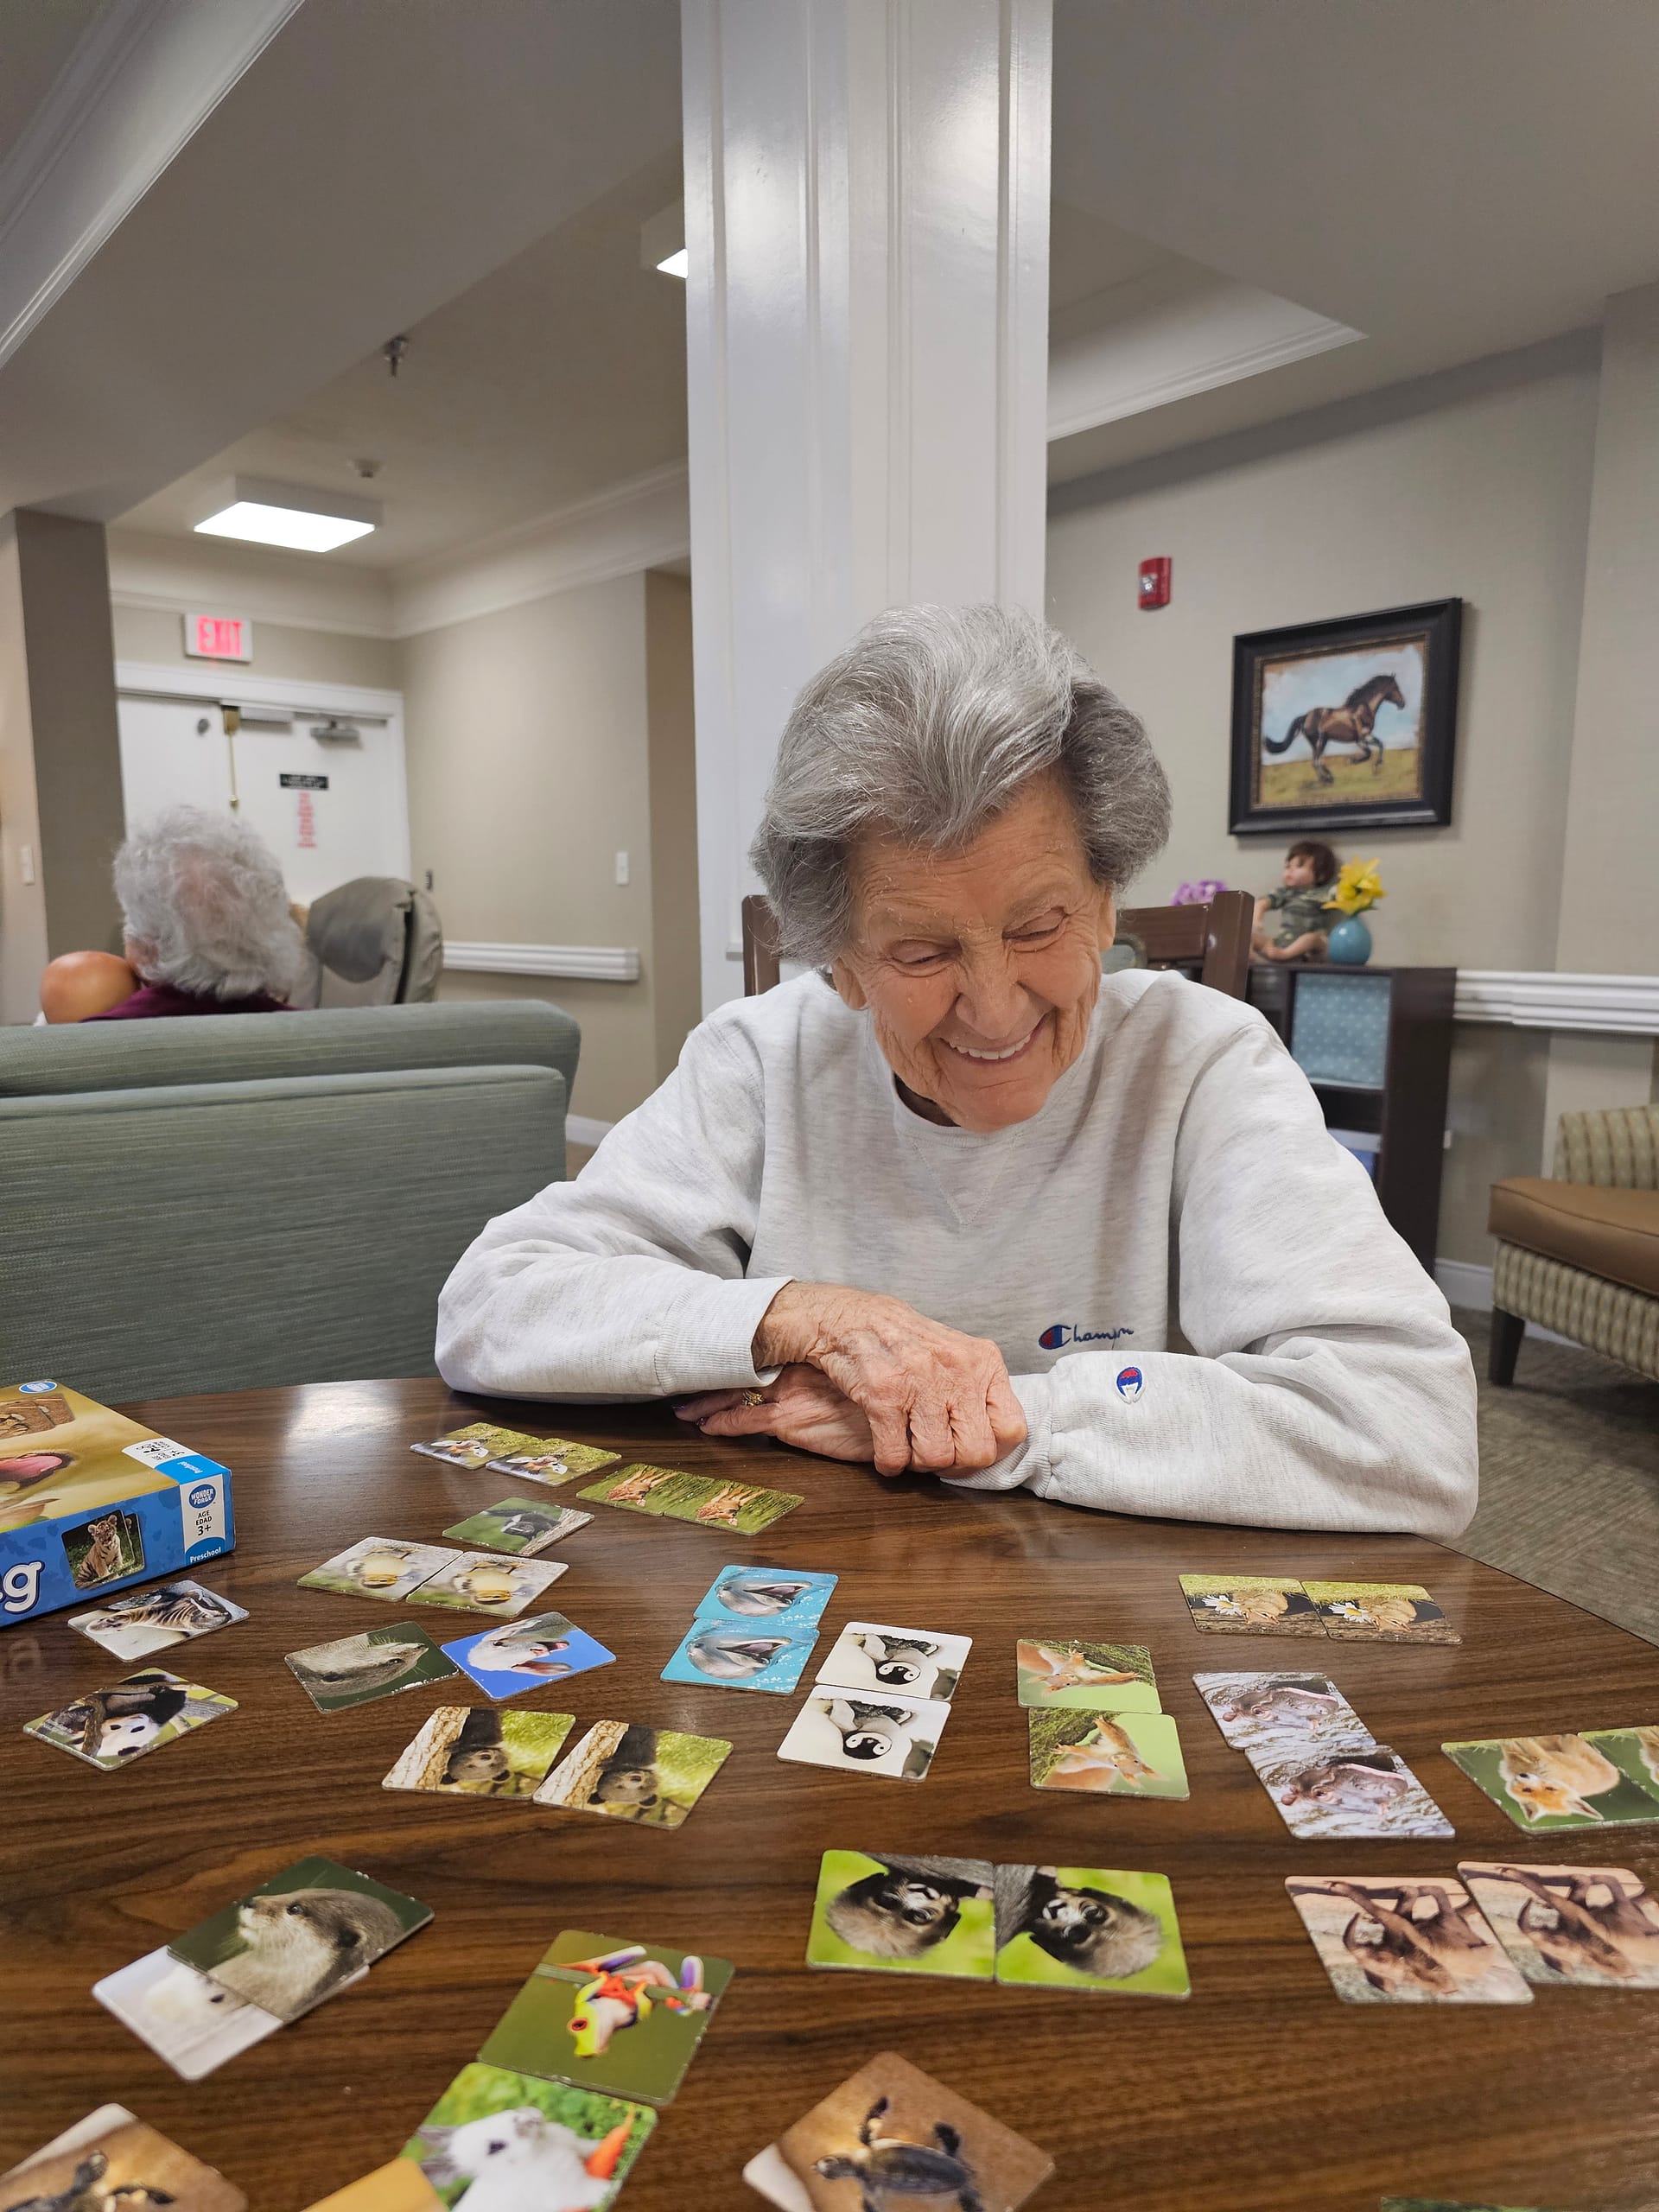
point(139, 1622)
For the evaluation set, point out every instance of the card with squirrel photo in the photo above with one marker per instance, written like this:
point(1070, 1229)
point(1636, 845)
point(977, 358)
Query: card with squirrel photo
point(1111, 1754)
point(110, 1728)
point(881, 1914)
point(1090, 1677)
point(301, 1936)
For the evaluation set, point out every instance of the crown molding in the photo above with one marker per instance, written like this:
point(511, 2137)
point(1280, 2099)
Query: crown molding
point(292, 590)
point(1610, 1005)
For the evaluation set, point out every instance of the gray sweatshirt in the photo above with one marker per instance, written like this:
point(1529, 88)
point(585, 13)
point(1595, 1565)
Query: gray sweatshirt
point(1203, 1311)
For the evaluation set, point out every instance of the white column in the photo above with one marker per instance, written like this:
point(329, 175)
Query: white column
point(866, 223)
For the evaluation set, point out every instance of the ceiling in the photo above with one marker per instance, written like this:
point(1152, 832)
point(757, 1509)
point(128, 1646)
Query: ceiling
point(38, 38)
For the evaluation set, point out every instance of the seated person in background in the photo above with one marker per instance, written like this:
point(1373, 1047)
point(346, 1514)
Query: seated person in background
point(77, 985)
point(955, 1201)
point(1305, 921)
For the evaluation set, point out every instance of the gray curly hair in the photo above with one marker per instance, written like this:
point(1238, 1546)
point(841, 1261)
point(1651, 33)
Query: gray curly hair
point(926, 727)
point(205, 908)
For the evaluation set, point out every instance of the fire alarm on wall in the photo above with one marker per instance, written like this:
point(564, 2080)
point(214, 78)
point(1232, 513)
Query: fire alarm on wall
point(1154, 581)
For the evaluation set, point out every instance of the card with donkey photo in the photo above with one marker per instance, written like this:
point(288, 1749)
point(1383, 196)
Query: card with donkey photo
point(916, 1663)
point(377, 1663)
point(1088, 1928)
point(1113, 1754)
point(110, 1728)
point(111, 2159)
point(893, 1736)
point(518, 2142)
point(653, 1776)
point(1404, 1941)
point(523, 1526)
point(301, 1936)
point(909, 1915)
point(601, 2014)
point(1251, 1604)
point(1592, 1927)
point(1081, 1676)
point(472, 1750)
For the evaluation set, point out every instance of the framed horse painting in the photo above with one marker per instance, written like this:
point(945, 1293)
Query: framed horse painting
point(1347, 724)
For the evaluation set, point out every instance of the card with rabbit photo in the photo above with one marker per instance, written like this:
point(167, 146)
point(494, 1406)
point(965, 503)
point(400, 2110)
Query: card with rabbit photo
point(110, 1728)
point(377, 1663)
point(895, 1736)
point(486, 1582)
point(378, 1567)
point(522, 2141)
point(1283, 1712)
point(1088, 1928)
point(913, 1662)
point(1395, 1940)
point(1366, 1792)
point(1251, 1604)
point(130, 2165)
point(187, 2019)
point(879, 1914)
point(1082, 1676)
point(653, 1776)
point(1603, 1777)
point(781, 1597)
point(728, 1655)
point(527, 1654)
point(472, 1750)
point(1111, 1754)
point(525, 1527)
point(1586, 1927)
point(1380, 1612)
point(301, 1936)
point(141, 1622)
point(598, 2013)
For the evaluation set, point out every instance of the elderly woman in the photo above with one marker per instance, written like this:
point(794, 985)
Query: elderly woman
point(956, 1202)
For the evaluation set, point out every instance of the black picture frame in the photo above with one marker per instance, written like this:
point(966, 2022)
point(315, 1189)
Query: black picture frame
point(1277, 686)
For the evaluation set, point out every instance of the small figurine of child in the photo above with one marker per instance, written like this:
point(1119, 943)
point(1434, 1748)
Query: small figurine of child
point(1305, 921)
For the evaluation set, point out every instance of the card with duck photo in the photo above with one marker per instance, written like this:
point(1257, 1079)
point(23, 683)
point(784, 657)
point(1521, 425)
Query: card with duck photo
point(1063, 1670)
point(140, 1622)
point(1606, 1776)
point(130, 2165)
point(779, 1596)
point(886, 1915)
point(895, 1736)
point(1111, 1754)
point(552, 1460)
point(110, 1728)
point(1380, 1612)
point(915, 1663)
point(527, 1654)
point(1592, 1927)
point(475, 1446)
point(602, 2014)
point(378, 1663)
point(379, 1566)
point(301, 1936)
point(1088, 1928)
point(486, 1582)
point(523, 1526)
point(735, 1657)
point(1251, 1604)
point(472, 1750)
point(524, 2144)
point(653, 1776)
point(1283, 1711)
point(1366, 1792)
point(187, 2019)
point(1389, 1939)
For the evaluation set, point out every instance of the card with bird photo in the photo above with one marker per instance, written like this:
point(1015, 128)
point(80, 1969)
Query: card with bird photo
point(483, 1582)
point(141, 1622)
point(1394, 1940)
point(914, 1661)
point(653, 1776)
point(505, 2141)
point(1591, 1926)
point(603, 2014)
point(1368, 1792)
point(523, 1526)
point(895, 1736)
point(1088, 1928)
point(899, 2136)
point(1112, 1754)
point(110, 1728)
point(1081, 1676)
point(1380, 1612)
point(1605, 1778)
point(378, 1663)
point(300, 1936)
point(781, 1597)
point(111, 2159)
point(886, 1915)
point(754, 1657)
point(472, 1750)
point(527, 1654)
point(186, 2019)
point(1282, 1711)
point(378, 1567)
point(1251, 1604)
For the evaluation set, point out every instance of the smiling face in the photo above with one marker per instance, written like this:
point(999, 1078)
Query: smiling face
point(980, 967)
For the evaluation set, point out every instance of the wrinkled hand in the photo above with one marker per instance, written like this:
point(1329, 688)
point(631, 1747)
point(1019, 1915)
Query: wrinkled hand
point(801, 1407)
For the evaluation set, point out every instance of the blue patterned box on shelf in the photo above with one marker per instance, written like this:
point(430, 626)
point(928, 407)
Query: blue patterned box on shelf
point(1341, 1028)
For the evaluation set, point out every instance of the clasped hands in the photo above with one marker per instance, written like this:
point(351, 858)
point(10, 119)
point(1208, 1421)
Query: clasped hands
point(865, 1377)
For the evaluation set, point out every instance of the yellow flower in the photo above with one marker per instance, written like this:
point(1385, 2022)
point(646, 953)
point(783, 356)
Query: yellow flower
point(1358, 885)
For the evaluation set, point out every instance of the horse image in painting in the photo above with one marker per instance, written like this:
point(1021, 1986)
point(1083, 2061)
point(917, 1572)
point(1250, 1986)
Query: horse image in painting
point(1354, 722)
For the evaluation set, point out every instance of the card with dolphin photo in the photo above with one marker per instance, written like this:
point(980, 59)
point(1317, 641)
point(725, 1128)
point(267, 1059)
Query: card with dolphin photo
point(1404, 1940)
point(1380, 1612)
point(191, 2022)
point(881, 1914)
point(916, 1663)
point(141, 1622)
point(782, 1597)
point(130, 2165)
point(523, 1526)
point(732, 1656)
point(514, 2140)
point(301, 1936)
point(378, 1663)
point(1110, 1754)
point(1369, 1791)
point(486, 1582)
point(1088, 1928)
point(110, 1728)
point(653, 1776)
point(378, 1567)
point(624, 2018)
point(1251, 1604)
point(472, 1750)
point(895, 1736)
point(1063, 1670)
point(1588, 1926)
point(1605, 1778)
point(527, 1654)
point(1284, 1711)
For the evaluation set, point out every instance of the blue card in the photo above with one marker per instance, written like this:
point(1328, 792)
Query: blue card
point(527, 1654)
point(767, 1597)
point(742, 1656)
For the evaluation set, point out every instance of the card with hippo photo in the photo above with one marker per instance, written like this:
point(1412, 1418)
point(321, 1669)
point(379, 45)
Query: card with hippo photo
point(486, 1582)
point(782, 1597)
point(523, 1526)
point(653, 1776)
point(141, 1622)
point(379, 1566)
point(1251, 1604)
point(1394, 1940)
point(1368, 1792)
point(1282, 1710)
point(895, 1736)
point(472, 1750)
point(917, 1663)
point(514, 2143)
point(110, 1728)
point(735, 1657)
point(301, 1936)
point(188, 2020)
point(879, 1914)
point(1063, 1670)
point(1380, 1612)
point(1088, 1928)
point(527, 1654)
point(110, 2159)
point(1586, 1927)
point(625, 2019)
point(1110, 1754)
point(378, 1663)
point(1606, 1776)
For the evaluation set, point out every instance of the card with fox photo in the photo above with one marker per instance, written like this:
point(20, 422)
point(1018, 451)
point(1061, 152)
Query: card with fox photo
point(755, 1657)
point(885, 1915)
point(895, 1736)
point(378, 1567)
point(186, 2019)
point(781, 1597)
point(552, 1460)
point(891, 2124)
point(472, 1750)
point(653, 1776)
point(540, 2143)
point(1605, 1778)
point(1283, 1711)
point(1251, 1604)
point(1592, 1927)
point(301, 1936)
point(1063, 1670)
point(141, 1622)
point(1380, 1612)
point(913, 1662)
point(1111, 1754)
point(378, 1663)
point(130, 2165)
point(527, 1654)
point(523, 1526)
point(1404, 1940)
point(1368, 1791)
point(488, 1582)
point(1088, 1928)
point(474, 1446)
point(625, 2019)
point(110, 1728)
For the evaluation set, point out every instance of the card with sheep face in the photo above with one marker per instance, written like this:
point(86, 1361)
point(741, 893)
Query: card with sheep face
point(302, 1936)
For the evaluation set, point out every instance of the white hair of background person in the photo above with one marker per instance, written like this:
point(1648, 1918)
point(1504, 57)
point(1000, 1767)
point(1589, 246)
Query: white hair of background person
point(205, 907)
point(925, 728)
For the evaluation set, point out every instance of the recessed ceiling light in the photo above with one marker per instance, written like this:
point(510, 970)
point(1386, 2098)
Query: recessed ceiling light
point(296, 516)
point(677, 263)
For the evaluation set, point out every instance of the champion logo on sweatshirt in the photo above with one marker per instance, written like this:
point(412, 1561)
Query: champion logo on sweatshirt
point(1130, 1382)
point(1060, 1333)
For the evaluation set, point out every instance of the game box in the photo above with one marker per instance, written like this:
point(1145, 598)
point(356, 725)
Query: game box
point(91, 1501)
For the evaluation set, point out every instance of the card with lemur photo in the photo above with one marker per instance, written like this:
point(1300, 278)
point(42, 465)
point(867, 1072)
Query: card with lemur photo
point(624, 2018)
point(523, 1526)
point(895, 1736)
point(187, 2019)
point(1380, 1612)
point(779, 1596)
point(1284, 1711)
point(377, 1663)
point(1251, 1604)
point(1062, 1670)
point(486, 1582)
point(726, 1655)
point(916, 1663)
point(131, 2164)
point(301, 1936)
point(1088, 1928)
point(1587, 1927)
point(877, 1914)
point(472, 1750)
point(110, 1728)
point(1366, 1791)
point(1110, 1754)
point(1404, 1940)
point(141, 1622)
point(527, 1654)
point(653, 1776)
point(518, 2141)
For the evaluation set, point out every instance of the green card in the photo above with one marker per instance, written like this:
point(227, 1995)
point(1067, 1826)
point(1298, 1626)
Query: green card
point(903, 1916)
point(477, 1750)
point(1088, 1928)
point(1110, 1754)
point(1605, 1778)
point(1380, 1612)
point(307, 1932)
point(525, 1526)
point(540, 2142)
point(709, 1501)
point(623, 2017)
point(1060, 1670)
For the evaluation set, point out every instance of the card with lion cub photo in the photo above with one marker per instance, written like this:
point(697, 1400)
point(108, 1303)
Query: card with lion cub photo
point(472, 1750)
point(1605, 1778)
point(604, 2014)
point(653, 1776)
point(1088, 1928)
point(1251, 1604)
point(879, 1913)
point(1395, 1940)
point(301, 1936)
point(1380, 1612)
point(110, 1548)
point(110, 1728)
point(1063, 1670)
point(1112, 1754)
point(1592, 1927)
point(134, 2166)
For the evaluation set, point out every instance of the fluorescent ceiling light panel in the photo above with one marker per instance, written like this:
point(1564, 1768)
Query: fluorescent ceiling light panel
point(677, 263)
point(297, 515)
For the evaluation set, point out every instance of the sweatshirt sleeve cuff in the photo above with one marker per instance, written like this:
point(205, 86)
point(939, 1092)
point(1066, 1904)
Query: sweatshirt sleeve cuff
point(1028, 1463)
point(707, 1340)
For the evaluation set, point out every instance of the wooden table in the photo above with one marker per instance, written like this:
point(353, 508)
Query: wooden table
point(1262, 2091)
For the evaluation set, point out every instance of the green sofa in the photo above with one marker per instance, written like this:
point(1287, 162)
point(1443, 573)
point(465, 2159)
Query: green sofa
point(216, 1204)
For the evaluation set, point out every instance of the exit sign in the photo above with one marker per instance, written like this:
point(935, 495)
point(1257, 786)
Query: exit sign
point(218, 637)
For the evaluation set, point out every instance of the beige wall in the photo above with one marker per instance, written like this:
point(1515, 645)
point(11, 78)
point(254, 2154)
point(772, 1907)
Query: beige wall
point(156, 635)
point(675, 914)
point(22, 906)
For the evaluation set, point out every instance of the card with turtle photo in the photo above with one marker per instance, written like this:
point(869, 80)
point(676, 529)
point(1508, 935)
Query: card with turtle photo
point(653, 1776)
point(187, 2019)
point(1366, 1792)
point(475, 1446)
point(111, 2159)
point(779, 1596)
point(1605, 1778)
point(1404, 1940)
point(726, 1655)
point(1088, 1928)
point(1251, 1604)
point(604, 2014)
point(140, 1622)
point(525, 1526)
point(881, 1914)
point(378, 1663)
point(1282, 1710)
point(110, 1728)
point(897, 2136)
point(1082, 1676)
point(1110, 1754)
point(472, 1750)
point(526, 2142)
point(1588, 1926)
point(1380, 1612)
point(527, 1654)
point(915, 1662)
point(895, 1736)
point(488, 1582)
point(301, 1936)
point(386, 1568)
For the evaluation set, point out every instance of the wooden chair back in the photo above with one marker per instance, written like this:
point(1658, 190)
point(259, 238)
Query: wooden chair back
point(761, 964)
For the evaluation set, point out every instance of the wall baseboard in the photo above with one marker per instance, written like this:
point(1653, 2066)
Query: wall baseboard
point(582, 1128)
point(1464, 1284)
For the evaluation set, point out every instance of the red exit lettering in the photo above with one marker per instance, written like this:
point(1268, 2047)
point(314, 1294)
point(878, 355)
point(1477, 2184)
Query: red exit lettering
point(218, 637)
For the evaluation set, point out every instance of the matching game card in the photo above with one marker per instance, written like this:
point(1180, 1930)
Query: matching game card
point(110, 1728)
point(1380, 1612)
point(1606, 1776)
point(920, 1915)
point(378, 1567)
point(781, 1597)
point(521, 1526)
point(1405, 1941)
point(1251, 1604)
point(527, 1654)
point(1088, 1928)
point(1112, 1754)
point(478, 1582)
point(916, 1663)
point(540, 2143)
point(189, 2021)
point(1365, 1793)
point(509, 1452)
point(472, 1750)
point(378, 1663)
point(302, 1935)
point(1059, 1670)
point(757, 1658)
point(1592, 1927)
point(1282, 1711)
point(705, 1500)
point(622, 2019)
point(892, 1736)
point(130, 2165)
point(146, 1621)
point(653, 1776)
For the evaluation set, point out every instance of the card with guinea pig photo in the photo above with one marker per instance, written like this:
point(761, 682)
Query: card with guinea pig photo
point(915, 1663)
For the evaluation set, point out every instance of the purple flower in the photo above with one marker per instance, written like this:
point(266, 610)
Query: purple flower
point(1197, 895)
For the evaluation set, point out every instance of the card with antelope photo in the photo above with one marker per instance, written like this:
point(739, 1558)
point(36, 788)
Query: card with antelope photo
point(110, 2159)
point(758, 1657)
point(707, 1501)
point(1592, 1927)
point(378, 1567)
point(1066, 1671)
point(378, 1663)
point(514, 2143)
point(1284, 1712)
point(1111, 1754)
point(525, 1527)
point(141, 1622)
point(916, 1663)
point(1380, 1612)
point(653, 1776)
point(187, 2019)
point(110, 1728)
point(1251, 1604)
point(603, 2014)
point(301, 1936)
point(1404, 1940)
point(472, 1750)
point(1088, 1928)
point(1368, 1792)
point(895, 1736)
point(485, 1582)
point(885, 1915)
point(1605, 1778)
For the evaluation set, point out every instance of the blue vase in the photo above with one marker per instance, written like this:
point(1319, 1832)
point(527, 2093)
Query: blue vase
point(1350, 942)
